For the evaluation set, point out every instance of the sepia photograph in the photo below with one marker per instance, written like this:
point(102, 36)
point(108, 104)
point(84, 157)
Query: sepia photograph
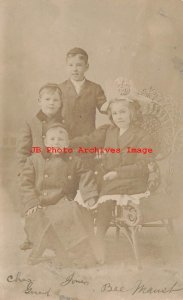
point(91, 145)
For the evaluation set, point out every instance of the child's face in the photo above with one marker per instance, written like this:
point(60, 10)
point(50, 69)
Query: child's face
point(121, 114)
point(49, 103)
point(76, 67)
point(56, 137)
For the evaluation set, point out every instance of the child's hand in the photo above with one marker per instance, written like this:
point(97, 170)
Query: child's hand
point(91, 202)
point(110, 175)
point(31, 211)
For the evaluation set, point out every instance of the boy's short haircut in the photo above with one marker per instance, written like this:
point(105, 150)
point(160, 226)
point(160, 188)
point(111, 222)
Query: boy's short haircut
point(78, 51)
point(51, 87)
point(57, 125)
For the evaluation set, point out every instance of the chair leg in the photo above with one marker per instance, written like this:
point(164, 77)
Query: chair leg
point(133, 230)
point(117, 233)
point(131, 233)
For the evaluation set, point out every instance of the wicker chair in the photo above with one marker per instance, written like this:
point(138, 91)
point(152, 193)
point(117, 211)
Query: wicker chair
point(162, 119)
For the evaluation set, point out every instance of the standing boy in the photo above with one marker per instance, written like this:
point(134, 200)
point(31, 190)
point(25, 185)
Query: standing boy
point(80, 96)
point(33, 132)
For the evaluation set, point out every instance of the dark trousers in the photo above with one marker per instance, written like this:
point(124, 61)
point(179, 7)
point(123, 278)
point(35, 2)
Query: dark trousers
point(103, 218)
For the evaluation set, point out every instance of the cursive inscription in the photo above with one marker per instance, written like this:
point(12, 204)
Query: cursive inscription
point(141, 288)
point(71, 279)
point(29, 285)
point(19, 278)
point(108, 287)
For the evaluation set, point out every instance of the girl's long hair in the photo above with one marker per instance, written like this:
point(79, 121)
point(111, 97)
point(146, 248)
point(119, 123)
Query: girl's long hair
point(134, 108)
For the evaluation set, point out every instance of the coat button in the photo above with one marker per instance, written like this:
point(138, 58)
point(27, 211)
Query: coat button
point(96, 173)
point(46, 176)
point(69, 177)
point(70, 157)
point(45, 193)
point(63, 121)
point(43, 136)
point(44, 122)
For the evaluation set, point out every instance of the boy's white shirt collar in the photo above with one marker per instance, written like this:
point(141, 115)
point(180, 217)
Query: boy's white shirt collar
point(78, 84)
point(122, 130)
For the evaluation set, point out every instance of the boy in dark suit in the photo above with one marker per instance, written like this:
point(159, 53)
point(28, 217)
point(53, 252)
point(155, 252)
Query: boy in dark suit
point(80, 99)
point(80, 96)
point(48, 185)
point(33, 131)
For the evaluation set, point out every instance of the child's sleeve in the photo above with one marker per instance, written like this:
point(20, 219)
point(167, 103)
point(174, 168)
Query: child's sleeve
point(140, 167)
point(95, 139)
point(23, 146)
point(100, 97)
point(29, 196)
point(87, 182)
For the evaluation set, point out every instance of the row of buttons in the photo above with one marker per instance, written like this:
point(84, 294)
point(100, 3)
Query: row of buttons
point(46, 176)
point(70, 158)
point(43, 136)
point(69, 176)
point(63, 121)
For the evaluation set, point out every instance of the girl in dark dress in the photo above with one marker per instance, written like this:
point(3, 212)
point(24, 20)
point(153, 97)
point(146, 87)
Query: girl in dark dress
point(121, 176)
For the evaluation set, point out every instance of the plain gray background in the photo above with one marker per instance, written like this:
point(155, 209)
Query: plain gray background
point(140, 40)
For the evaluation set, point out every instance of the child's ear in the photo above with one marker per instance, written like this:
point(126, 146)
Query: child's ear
point(39, 100)
point(87, 66)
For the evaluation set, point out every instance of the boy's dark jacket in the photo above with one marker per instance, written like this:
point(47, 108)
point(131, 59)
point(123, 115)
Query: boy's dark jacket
point(79, 111)
point(46, 179)
point(132, 168)
point(32, 134)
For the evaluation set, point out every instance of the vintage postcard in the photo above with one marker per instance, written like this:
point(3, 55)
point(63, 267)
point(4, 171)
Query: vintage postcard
point(91, 150)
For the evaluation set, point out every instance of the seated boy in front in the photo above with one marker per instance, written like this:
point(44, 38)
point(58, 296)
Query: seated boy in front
point(48, 184)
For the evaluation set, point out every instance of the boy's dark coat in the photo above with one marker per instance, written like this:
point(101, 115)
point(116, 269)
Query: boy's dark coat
point(79, 111)
point(51, 181)
point(45, 180)
point(32, 134)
